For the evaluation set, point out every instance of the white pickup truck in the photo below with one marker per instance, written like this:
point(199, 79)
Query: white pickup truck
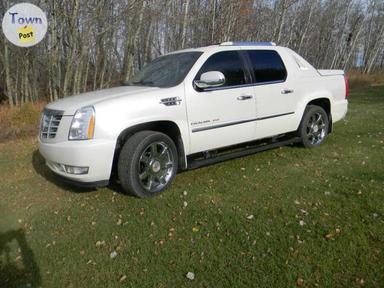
point(191, 108)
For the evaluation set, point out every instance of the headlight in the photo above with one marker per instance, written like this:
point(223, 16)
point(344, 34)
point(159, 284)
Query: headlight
point(83, 124)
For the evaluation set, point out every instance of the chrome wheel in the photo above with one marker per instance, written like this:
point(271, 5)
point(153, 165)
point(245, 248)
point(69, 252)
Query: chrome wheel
point(155, 166)
point(316, 128)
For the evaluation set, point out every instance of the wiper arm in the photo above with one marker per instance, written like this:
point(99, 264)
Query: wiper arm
point(142, 82)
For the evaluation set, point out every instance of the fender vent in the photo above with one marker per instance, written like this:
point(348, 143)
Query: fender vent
point(171, 101)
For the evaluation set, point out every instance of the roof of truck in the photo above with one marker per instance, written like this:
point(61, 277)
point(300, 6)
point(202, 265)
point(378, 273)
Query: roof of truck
point(226, 45)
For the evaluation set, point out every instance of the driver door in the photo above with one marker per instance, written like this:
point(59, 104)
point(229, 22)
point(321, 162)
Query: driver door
point(225, 115)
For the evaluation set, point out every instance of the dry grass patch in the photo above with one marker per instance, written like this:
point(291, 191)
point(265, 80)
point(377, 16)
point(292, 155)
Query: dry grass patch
point(20, 121)
point(358, 79)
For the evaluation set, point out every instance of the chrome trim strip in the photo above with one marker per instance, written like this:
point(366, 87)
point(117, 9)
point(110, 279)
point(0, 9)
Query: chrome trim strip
point(274, 116)
point(239, 122)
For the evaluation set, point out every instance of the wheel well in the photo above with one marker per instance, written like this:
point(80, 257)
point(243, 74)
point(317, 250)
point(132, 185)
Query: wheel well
point(167, 127)
point(326, 105)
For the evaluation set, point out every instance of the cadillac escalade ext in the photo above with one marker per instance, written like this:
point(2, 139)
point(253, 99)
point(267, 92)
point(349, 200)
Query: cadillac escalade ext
point(191, 108)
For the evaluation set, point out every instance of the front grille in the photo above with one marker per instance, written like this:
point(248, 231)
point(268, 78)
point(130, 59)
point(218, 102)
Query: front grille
point(50, 123)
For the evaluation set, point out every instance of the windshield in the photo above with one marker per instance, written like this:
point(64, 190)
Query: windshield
point(165, 71)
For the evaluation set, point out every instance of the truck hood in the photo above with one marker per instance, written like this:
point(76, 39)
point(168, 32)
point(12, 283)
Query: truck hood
point(71, 104)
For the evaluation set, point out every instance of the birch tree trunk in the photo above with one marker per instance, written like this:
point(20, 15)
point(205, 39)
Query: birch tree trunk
point(280, 22)
point(132, 45)
point(185, 24)
point(8, 80)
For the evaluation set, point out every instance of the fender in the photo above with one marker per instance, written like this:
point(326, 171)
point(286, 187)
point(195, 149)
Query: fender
point(302, 104)
point(170, 128)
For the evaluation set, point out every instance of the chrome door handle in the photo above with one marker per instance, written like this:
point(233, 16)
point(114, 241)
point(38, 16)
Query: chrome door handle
point(287, 91)
point(244, 97)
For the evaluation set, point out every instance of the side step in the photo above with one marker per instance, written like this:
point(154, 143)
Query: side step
point(196, 163)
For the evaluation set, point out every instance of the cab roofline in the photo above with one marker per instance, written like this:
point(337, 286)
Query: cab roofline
point(245, 43)
point(225, 44)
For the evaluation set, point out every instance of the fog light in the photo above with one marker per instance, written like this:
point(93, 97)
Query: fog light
point(76, 170)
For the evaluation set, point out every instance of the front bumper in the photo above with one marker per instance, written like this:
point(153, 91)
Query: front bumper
point(95, 154)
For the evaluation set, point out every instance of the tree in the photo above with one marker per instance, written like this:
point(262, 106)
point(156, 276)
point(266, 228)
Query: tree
point(94, 44)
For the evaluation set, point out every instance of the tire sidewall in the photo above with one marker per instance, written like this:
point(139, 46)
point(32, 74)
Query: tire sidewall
point(130, 179)
point(309, 111)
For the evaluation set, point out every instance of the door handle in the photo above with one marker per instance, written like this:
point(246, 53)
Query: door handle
point(287, 91)
point(244, 97)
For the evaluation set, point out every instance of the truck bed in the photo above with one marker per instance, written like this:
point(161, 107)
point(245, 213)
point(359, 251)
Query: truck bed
point(330, 72)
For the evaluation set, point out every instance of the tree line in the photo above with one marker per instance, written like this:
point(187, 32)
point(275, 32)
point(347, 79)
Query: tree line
point(94, 44)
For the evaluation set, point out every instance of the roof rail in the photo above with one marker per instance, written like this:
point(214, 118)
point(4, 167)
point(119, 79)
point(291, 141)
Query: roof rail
point(244, 43)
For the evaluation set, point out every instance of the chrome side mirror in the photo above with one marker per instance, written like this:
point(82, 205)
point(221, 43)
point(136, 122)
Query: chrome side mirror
point(210, 79)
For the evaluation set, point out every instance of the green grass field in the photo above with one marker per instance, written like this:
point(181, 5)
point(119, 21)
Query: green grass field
point(281, 218)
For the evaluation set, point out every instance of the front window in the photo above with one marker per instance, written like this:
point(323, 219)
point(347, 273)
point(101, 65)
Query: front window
point(165, 71)
point(230, 64)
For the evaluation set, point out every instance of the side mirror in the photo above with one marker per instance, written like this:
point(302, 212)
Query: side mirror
point(210, 80)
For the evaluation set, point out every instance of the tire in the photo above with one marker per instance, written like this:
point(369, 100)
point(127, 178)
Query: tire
point(314, 126)
point(147, 164)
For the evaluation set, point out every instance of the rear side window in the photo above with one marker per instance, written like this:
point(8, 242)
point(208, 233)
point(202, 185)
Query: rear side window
point(267, 66)
point(229, 63)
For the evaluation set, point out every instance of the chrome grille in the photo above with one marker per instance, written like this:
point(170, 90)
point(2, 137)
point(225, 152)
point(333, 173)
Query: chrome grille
point(50, 123)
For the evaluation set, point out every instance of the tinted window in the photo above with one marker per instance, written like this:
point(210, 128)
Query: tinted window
point(267, 66)
point(165, 71)
point(229, 63)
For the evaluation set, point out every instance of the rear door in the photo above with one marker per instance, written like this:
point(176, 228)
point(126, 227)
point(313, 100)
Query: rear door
point(274, 93)
point(222, 116)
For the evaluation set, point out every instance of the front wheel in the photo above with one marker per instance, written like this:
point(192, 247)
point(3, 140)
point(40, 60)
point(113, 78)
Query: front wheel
point(314, 126)
point(147, 164)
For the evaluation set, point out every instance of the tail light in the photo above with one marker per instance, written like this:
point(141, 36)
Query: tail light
point(346, 86)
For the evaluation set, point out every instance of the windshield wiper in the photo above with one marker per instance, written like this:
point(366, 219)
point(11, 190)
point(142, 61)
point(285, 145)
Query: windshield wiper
point(143, 82)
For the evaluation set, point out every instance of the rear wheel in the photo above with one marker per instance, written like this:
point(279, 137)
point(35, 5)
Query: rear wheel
point(314, 126)
point(147, 163)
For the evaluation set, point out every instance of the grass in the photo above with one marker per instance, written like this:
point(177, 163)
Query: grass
point(318, 219)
